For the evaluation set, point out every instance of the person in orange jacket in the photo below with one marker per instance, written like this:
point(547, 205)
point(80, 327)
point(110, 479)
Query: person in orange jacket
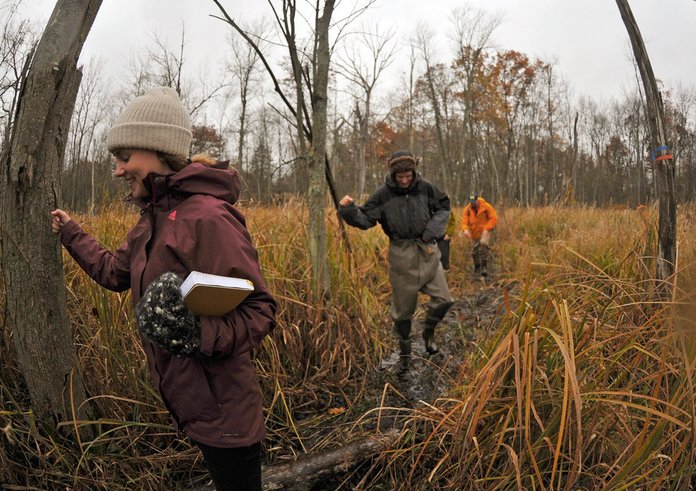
point(478, 221)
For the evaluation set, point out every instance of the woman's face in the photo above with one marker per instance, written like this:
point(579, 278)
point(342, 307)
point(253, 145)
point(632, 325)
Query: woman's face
point(133, 165)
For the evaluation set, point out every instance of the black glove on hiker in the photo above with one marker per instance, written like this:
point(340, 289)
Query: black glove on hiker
point(164, 319)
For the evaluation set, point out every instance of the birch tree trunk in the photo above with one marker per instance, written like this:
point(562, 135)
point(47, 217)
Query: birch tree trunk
point(662, 155)
point(30, 183)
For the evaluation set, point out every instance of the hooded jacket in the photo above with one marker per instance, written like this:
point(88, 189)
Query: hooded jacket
point(478, 220)
point(189, 223)
point(419, 212)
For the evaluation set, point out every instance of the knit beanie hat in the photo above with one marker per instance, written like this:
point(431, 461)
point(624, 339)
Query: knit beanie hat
point(402, 161)
point(155, 121)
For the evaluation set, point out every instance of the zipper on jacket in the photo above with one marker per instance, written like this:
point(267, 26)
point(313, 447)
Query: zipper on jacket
point(150, 210)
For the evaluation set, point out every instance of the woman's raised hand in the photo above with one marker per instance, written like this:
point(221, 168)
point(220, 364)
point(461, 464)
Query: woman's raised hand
point(60, 218)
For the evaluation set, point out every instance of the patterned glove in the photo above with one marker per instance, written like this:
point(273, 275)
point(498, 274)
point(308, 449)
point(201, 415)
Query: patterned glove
point(164, 319)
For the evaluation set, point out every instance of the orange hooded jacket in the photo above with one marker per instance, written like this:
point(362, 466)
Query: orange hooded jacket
point(476, 221)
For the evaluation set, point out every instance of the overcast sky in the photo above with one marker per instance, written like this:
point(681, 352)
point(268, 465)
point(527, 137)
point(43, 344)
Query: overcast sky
point(586, 38)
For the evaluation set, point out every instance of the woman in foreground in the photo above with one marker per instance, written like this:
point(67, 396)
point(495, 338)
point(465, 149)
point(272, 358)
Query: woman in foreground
point(201, 366)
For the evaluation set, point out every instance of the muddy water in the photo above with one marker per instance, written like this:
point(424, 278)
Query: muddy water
point(422, 378)
point(399, 384)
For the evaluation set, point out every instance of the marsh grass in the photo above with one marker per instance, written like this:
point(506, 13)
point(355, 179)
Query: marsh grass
point(589, 384)
point(584, 382)
point(313, 369)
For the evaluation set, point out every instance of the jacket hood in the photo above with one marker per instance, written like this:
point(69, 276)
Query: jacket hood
point(216, 180)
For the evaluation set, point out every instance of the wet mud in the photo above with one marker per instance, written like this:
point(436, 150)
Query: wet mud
point(406, 382)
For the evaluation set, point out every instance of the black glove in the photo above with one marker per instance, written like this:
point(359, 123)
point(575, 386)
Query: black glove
point(164, 319)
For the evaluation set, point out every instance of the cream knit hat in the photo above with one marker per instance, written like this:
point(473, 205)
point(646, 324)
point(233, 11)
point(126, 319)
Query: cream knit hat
point(155, 121)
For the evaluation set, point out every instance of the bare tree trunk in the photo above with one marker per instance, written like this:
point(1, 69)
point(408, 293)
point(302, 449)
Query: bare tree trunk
point(316, 196)
point(411, 96)
point(289, 26)
point(364, 141)
point(364, 71)
point(30, 253)
point(573, 182)
point(550, 113)
point(439, 130)
point(361, 148)
point(243, 66)
point(473, 30)
point(299, 111)
point(662, 155)
point(242, 129)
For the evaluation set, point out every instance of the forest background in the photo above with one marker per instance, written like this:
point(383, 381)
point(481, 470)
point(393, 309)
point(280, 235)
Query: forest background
point(566, 370)
point(501, 122)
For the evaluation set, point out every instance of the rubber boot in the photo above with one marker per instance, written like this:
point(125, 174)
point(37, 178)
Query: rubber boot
point(404, 347)
point(477, 267)
point(432, 318)
point(402, 329)
point(429, 338)
point(484, 270)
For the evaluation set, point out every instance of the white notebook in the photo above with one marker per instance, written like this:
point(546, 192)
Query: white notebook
point(208, 294)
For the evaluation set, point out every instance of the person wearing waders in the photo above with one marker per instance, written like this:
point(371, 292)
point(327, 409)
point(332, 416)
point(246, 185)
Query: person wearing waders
point(413, 213)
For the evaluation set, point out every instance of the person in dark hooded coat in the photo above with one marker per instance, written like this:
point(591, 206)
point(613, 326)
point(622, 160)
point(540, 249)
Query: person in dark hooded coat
point(413, 213)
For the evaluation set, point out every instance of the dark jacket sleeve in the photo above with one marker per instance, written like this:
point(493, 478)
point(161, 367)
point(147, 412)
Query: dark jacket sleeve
point(439, 205)
point(365, 216)
point(110, 269)
point(222, 245)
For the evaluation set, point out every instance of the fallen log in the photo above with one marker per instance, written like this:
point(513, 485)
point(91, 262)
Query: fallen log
point(311, 468)
point(307, 470)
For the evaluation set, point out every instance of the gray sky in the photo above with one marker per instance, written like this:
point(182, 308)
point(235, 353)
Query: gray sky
point(586, 38)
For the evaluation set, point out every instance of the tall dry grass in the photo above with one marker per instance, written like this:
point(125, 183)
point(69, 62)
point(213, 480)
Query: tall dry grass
point(314, 368)
point(586, 383)
point(590, 381)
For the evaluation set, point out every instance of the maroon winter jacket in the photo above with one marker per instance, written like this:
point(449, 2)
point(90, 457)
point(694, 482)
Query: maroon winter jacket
point(188, 224)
